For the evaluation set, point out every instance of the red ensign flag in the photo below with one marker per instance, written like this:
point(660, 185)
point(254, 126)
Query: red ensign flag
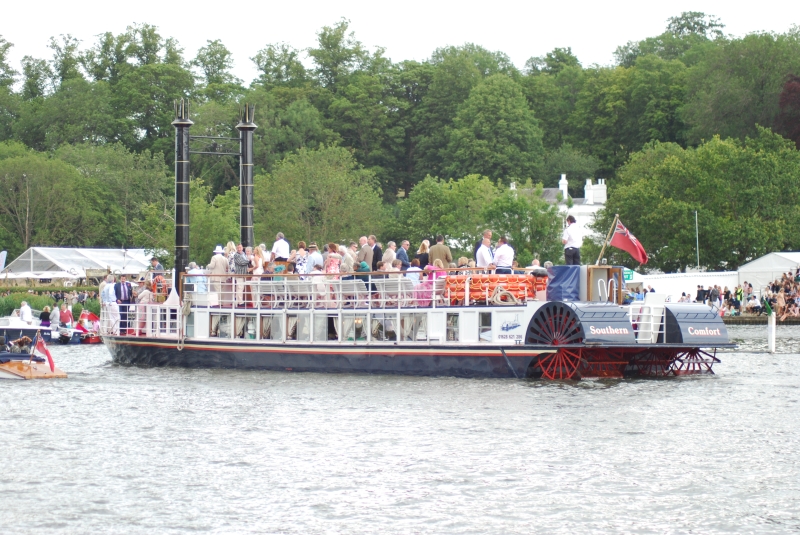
point(42, 348)
point(623, 239)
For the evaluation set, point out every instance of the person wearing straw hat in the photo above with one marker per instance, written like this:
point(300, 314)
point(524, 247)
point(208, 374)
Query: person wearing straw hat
point(217, 267)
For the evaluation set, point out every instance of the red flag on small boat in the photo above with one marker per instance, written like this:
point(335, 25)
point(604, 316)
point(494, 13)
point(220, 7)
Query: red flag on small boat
point(88, 315)
point(623, 239)
point(41, 347)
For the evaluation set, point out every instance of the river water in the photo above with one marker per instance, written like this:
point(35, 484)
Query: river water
point(129, 450)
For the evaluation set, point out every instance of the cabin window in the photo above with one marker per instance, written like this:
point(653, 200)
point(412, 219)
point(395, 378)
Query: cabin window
point(325, 327)
point(414, 327)
point(485, 326)
point(354, 328)
point(271, 327)
point(452, 327)
point(244, 327)
point(220, 326)
point(189, 323)
point(298, 327)
point(384, 327)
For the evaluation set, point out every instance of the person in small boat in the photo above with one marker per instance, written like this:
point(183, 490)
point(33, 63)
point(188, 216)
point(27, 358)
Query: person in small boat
point(65, 316)
point(25, 312)
point(21, 345)
point(44, 317)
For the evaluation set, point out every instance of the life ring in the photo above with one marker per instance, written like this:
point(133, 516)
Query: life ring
point(159, 285)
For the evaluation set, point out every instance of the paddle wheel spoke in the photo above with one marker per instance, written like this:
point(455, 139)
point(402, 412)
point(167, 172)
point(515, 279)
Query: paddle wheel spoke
point(562, 365)
point(654, 363)
point(694, 361)
point(602, 362)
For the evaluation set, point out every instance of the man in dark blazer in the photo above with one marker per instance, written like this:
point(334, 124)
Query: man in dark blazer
point(377, 252)
point(124, 294)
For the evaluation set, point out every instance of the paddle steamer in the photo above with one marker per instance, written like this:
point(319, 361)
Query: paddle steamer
point(565, 323)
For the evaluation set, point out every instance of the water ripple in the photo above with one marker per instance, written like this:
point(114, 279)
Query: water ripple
point(129, 450)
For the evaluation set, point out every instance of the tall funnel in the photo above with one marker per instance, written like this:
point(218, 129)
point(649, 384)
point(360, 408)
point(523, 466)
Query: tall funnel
point(181, 124)
point(246, 127)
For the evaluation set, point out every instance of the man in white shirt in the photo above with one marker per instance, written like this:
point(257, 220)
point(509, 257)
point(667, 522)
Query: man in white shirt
point(503, 257)
point(484, 255)
point(25, 312)
point(109, 301)
point(280, 249)
point(572, 243)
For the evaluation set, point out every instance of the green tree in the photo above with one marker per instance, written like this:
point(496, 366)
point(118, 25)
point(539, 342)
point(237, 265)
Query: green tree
point(742, 192)
point(44, 201)
point(532, 225)
point(495, 133)
point(456, 71)
point(737, 85)
point(686, 38)
point(453, 208)
point(337, 55)
point(215, 62)
point(552, 62)
point(321, 195)
point(7, 74)
point(279, 65)
point(130, 181)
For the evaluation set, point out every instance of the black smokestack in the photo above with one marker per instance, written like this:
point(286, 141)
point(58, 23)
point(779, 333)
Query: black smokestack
point(246, 127)
point(181, 124)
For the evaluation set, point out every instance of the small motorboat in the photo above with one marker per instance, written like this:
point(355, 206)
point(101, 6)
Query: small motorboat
point(21, 359)
point(89, 327)
point(13, 327)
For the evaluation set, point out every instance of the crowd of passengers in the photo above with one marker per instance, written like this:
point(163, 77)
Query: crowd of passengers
point(361, 260)
point(429, 262)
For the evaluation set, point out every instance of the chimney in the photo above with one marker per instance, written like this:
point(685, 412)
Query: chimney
point(588, 192)
point(562, 187)
point(181, 124)
point(600, 193)
point(245, 128)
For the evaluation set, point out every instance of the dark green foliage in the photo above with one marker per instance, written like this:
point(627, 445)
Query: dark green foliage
point(90, 135)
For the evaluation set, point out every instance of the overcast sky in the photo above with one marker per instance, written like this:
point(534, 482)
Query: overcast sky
point(411, 29)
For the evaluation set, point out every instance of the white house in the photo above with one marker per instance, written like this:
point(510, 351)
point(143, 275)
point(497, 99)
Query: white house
point(583, 209)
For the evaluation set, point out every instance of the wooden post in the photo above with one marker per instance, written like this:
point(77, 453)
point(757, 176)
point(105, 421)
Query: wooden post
point(603, 250)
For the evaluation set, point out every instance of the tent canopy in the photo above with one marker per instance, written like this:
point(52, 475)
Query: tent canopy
point(762, 271)
point(53, 262)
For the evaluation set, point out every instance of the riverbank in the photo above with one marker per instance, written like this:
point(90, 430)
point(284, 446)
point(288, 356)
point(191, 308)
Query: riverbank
point(757, 320)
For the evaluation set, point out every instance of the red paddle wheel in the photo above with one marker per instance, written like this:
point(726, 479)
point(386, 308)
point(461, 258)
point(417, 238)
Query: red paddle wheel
point(556, 324)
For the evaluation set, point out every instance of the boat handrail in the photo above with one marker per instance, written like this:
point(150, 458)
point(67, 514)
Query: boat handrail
point(357, 290)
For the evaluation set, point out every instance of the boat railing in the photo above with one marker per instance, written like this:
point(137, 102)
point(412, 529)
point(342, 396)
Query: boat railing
point(647, 318)
point(154, 320)
point(373, 290)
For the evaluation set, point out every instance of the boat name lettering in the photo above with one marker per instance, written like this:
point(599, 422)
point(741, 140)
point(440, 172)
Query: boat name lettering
point(704, 332)
point(607, 330)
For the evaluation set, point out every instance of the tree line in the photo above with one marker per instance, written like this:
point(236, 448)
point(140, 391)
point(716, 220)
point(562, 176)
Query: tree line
point(350, 142)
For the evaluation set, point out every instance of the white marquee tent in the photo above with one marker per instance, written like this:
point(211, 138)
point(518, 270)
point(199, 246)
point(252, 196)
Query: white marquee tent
point(72, 263)
point(769, 267)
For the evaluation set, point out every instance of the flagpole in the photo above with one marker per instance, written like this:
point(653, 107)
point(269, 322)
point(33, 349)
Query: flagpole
point(603, 250)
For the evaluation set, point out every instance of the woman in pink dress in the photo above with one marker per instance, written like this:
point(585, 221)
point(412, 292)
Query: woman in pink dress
point(333, 261)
